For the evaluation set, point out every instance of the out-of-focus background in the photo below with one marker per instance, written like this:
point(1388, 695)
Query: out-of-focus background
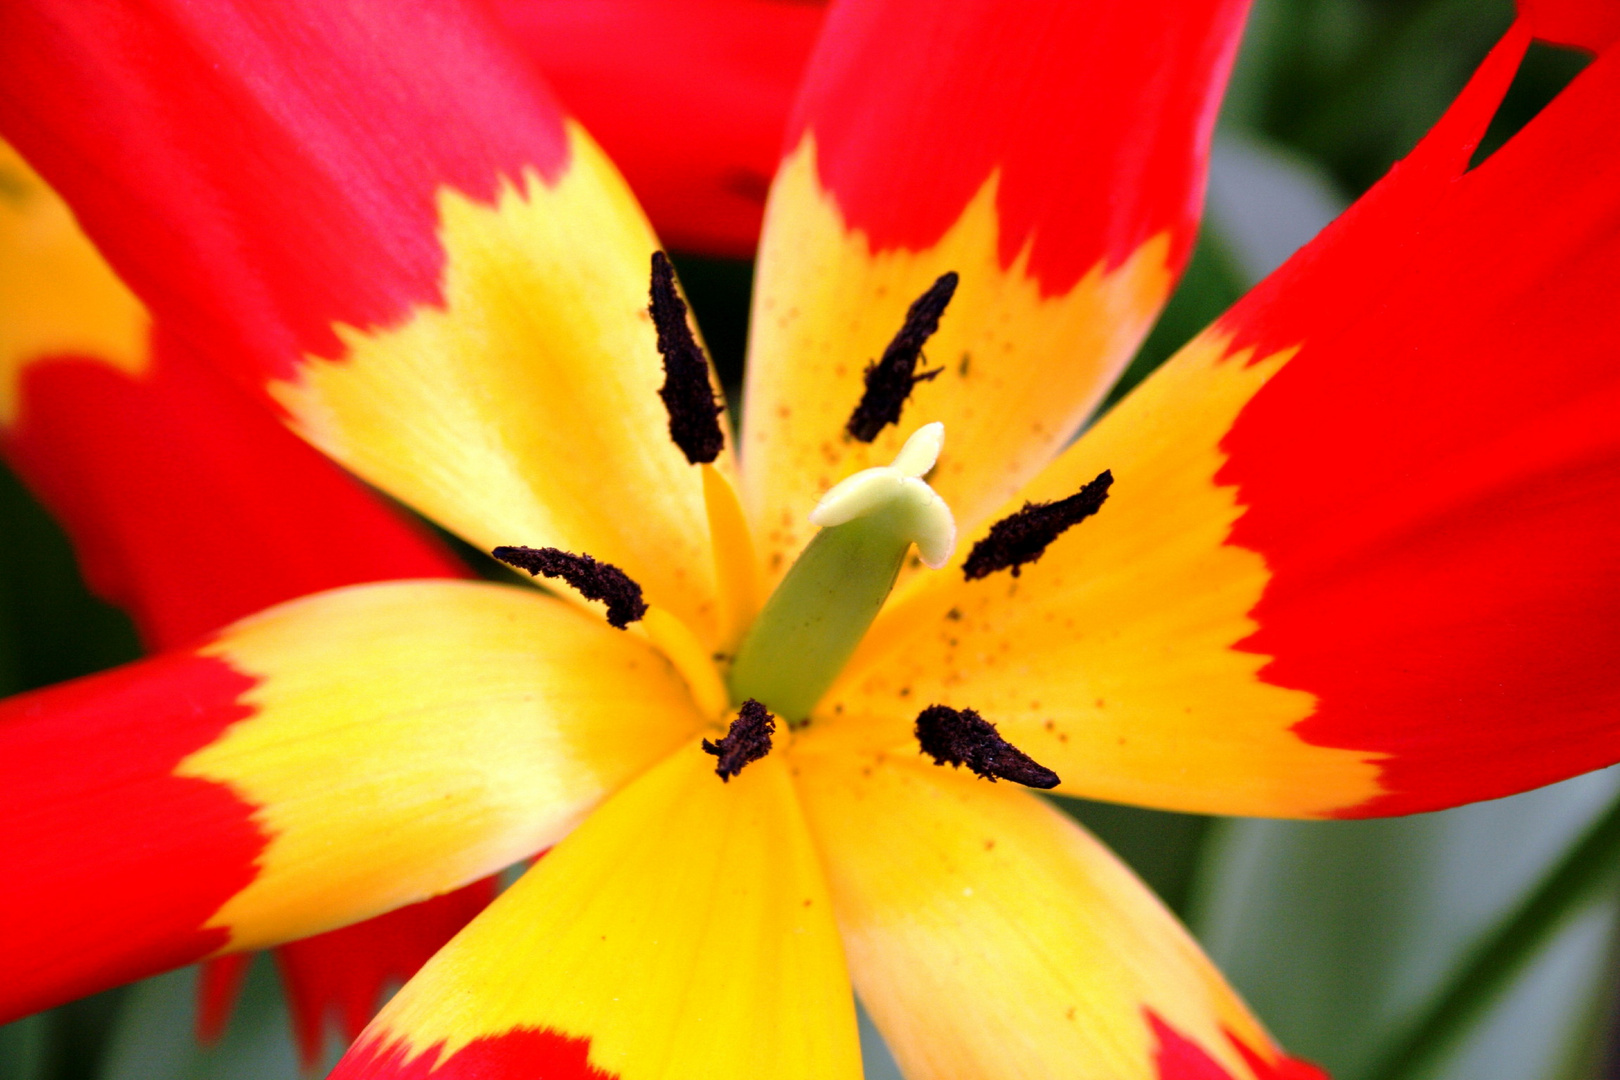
point(1475, 944)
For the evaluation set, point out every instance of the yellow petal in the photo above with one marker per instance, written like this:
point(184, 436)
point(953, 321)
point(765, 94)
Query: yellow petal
point(683, 931)
point(989, 936)
point(1115, 659)
point(525, 409)
point(407, 738)
point(1022, 369)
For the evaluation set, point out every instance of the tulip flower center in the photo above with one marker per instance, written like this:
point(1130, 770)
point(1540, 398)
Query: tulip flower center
point(811, 625)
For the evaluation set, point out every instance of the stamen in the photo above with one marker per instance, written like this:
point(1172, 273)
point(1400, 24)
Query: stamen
point(889, 380)
point(1022, 537)
point(963, 737)
point(748, 739)
point(594, 580)
point(694, 413)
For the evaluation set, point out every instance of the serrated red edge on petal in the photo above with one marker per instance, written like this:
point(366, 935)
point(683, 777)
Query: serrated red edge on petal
point(1095, 117)
point(520, 1054)
point(90, 810)
point(1433, 479)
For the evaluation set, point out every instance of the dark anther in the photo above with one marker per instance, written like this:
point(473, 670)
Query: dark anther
point(889, 380)
point(748, 739)
point(594, 580)
point(963, 737)
point(694, 414)
point(1022, 537)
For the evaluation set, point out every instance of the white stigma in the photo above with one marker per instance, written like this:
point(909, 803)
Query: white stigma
point(898, 485)
point(920, 452)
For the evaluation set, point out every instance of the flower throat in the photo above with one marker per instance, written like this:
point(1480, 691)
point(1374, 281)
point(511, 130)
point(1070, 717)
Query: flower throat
point(806, 631)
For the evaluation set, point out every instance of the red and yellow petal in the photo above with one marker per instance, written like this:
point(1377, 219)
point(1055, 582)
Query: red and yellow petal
point(172, 484)
point(990, 936)
point(376, 215)
point(343, 974)
point(1114, 660)
point(1058, 171)
point(117, 863)
point(1434, 479)
point(690, 99)
point(321, 763)
point(1361, 551)
point(188, 505)
point(683, 930)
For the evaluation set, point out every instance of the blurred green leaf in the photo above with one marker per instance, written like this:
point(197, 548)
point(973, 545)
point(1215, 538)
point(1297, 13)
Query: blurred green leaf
point(63, 1044)
point(1582, 880)
point(1353, 84)
point(153, 1038)
point(25, 1048)
point(1265, 202)
point(1340, 933)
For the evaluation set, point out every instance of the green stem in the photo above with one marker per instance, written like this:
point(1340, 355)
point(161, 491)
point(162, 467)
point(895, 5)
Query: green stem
point(1588, 866)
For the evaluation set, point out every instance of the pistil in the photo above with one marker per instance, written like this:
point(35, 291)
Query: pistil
point(818, 614)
